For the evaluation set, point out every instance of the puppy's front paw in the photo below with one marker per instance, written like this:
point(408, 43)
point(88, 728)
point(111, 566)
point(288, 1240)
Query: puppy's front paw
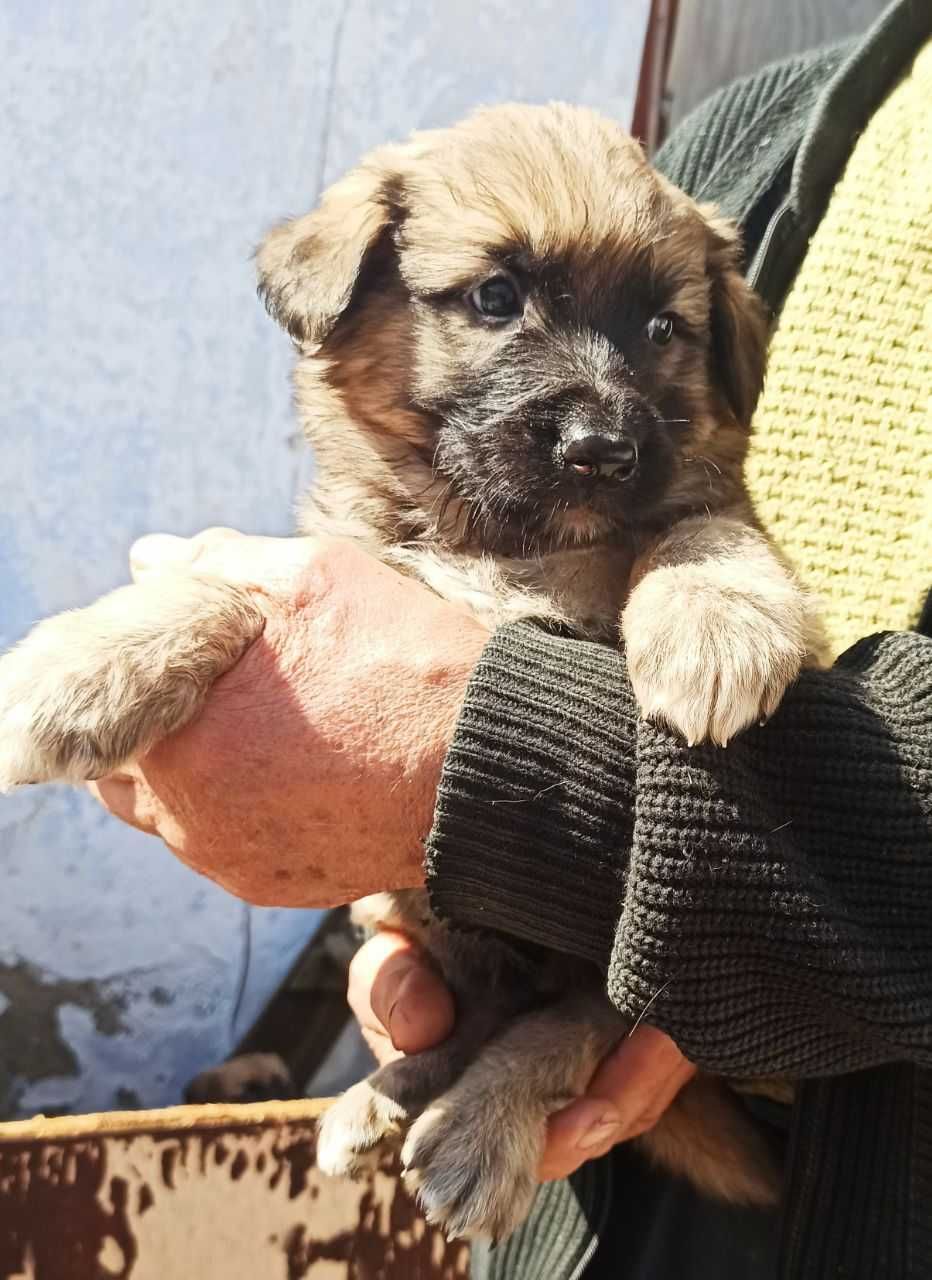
point(709, 655)
point(46, 731)
point(354, 1129)
point(474, 1171)
point(88, 690)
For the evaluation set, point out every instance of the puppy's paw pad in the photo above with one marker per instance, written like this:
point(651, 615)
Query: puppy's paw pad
point(353, 1130)
point(474, 1180)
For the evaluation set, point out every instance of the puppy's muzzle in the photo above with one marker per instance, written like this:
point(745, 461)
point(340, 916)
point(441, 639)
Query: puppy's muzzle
point(596, 457)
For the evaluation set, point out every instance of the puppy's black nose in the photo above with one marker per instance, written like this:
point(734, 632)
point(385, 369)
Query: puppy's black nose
point(594, 456)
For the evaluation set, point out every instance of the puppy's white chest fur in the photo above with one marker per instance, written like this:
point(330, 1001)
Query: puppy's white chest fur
point(585, 588)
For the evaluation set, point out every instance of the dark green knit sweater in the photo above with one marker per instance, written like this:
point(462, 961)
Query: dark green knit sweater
point(774, 899)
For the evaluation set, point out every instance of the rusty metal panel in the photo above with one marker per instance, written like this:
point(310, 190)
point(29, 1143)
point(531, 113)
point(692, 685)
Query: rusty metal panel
point(209, 1192)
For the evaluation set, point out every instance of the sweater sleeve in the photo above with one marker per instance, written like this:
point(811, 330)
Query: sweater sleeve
point(769, 904)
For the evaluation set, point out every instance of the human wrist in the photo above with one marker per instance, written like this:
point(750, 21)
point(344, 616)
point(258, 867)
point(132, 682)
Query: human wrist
point(431, 726)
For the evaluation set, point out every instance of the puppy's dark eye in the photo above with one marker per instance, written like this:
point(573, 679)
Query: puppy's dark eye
point(660, 330)
point(496, 299)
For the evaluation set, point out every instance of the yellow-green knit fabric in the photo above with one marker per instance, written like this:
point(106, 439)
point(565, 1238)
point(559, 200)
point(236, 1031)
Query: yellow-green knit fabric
point(841, 461)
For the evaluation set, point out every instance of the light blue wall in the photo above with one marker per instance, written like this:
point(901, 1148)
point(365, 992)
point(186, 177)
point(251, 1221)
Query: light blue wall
point(144, 149)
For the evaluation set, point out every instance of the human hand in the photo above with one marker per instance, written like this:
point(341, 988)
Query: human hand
point(403, 1006)
point(309, 778)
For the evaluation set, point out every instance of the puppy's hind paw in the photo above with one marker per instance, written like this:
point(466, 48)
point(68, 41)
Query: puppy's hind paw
point(473, 1179)
point(251, 1077)
point(354, 1132)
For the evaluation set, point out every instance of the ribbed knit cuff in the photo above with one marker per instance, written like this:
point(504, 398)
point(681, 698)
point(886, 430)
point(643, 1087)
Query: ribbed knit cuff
point(779, 892)
point(766, 905)
point(534, 811)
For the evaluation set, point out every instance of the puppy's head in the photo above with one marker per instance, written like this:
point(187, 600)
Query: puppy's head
point(518, 317)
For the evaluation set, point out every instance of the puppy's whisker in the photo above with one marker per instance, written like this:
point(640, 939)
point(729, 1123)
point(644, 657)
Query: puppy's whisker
point(704, 461)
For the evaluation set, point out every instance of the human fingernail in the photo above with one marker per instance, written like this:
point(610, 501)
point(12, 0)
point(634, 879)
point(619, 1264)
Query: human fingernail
point(402, 1022)
point(403, 1009)
point(158, 550)
point(603, 1133)
point(422, 1012)
point(399, 1014)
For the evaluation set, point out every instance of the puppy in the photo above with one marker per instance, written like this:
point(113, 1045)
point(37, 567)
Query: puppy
point(527, 365)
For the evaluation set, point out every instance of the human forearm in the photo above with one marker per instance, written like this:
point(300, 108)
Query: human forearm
point(773, 899)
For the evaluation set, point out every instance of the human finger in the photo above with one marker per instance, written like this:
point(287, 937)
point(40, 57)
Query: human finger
point(394, 989)
point(626, 1097)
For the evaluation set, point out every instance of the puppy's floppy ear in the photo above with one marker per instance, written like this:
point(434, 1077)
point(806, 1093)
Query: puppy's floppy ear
point(309, 267)
point(738, 319)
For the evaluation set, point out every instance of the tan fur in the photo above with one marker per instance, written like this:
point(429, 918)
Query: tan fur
point(373, 287)
point(715, 629)
point(251, 1077)
point(90, 689)
point(474, 1153)
point(471, 1127)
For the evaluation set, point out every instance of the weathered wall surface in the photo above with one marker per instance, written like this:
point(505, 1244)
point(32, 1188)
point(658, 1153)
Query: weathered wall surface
point(146, 145)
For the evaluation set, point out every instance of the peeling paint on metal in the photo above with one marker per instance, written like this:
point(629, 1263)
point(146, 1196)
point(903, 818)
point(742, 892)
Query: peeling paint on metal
point(166, 1196)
